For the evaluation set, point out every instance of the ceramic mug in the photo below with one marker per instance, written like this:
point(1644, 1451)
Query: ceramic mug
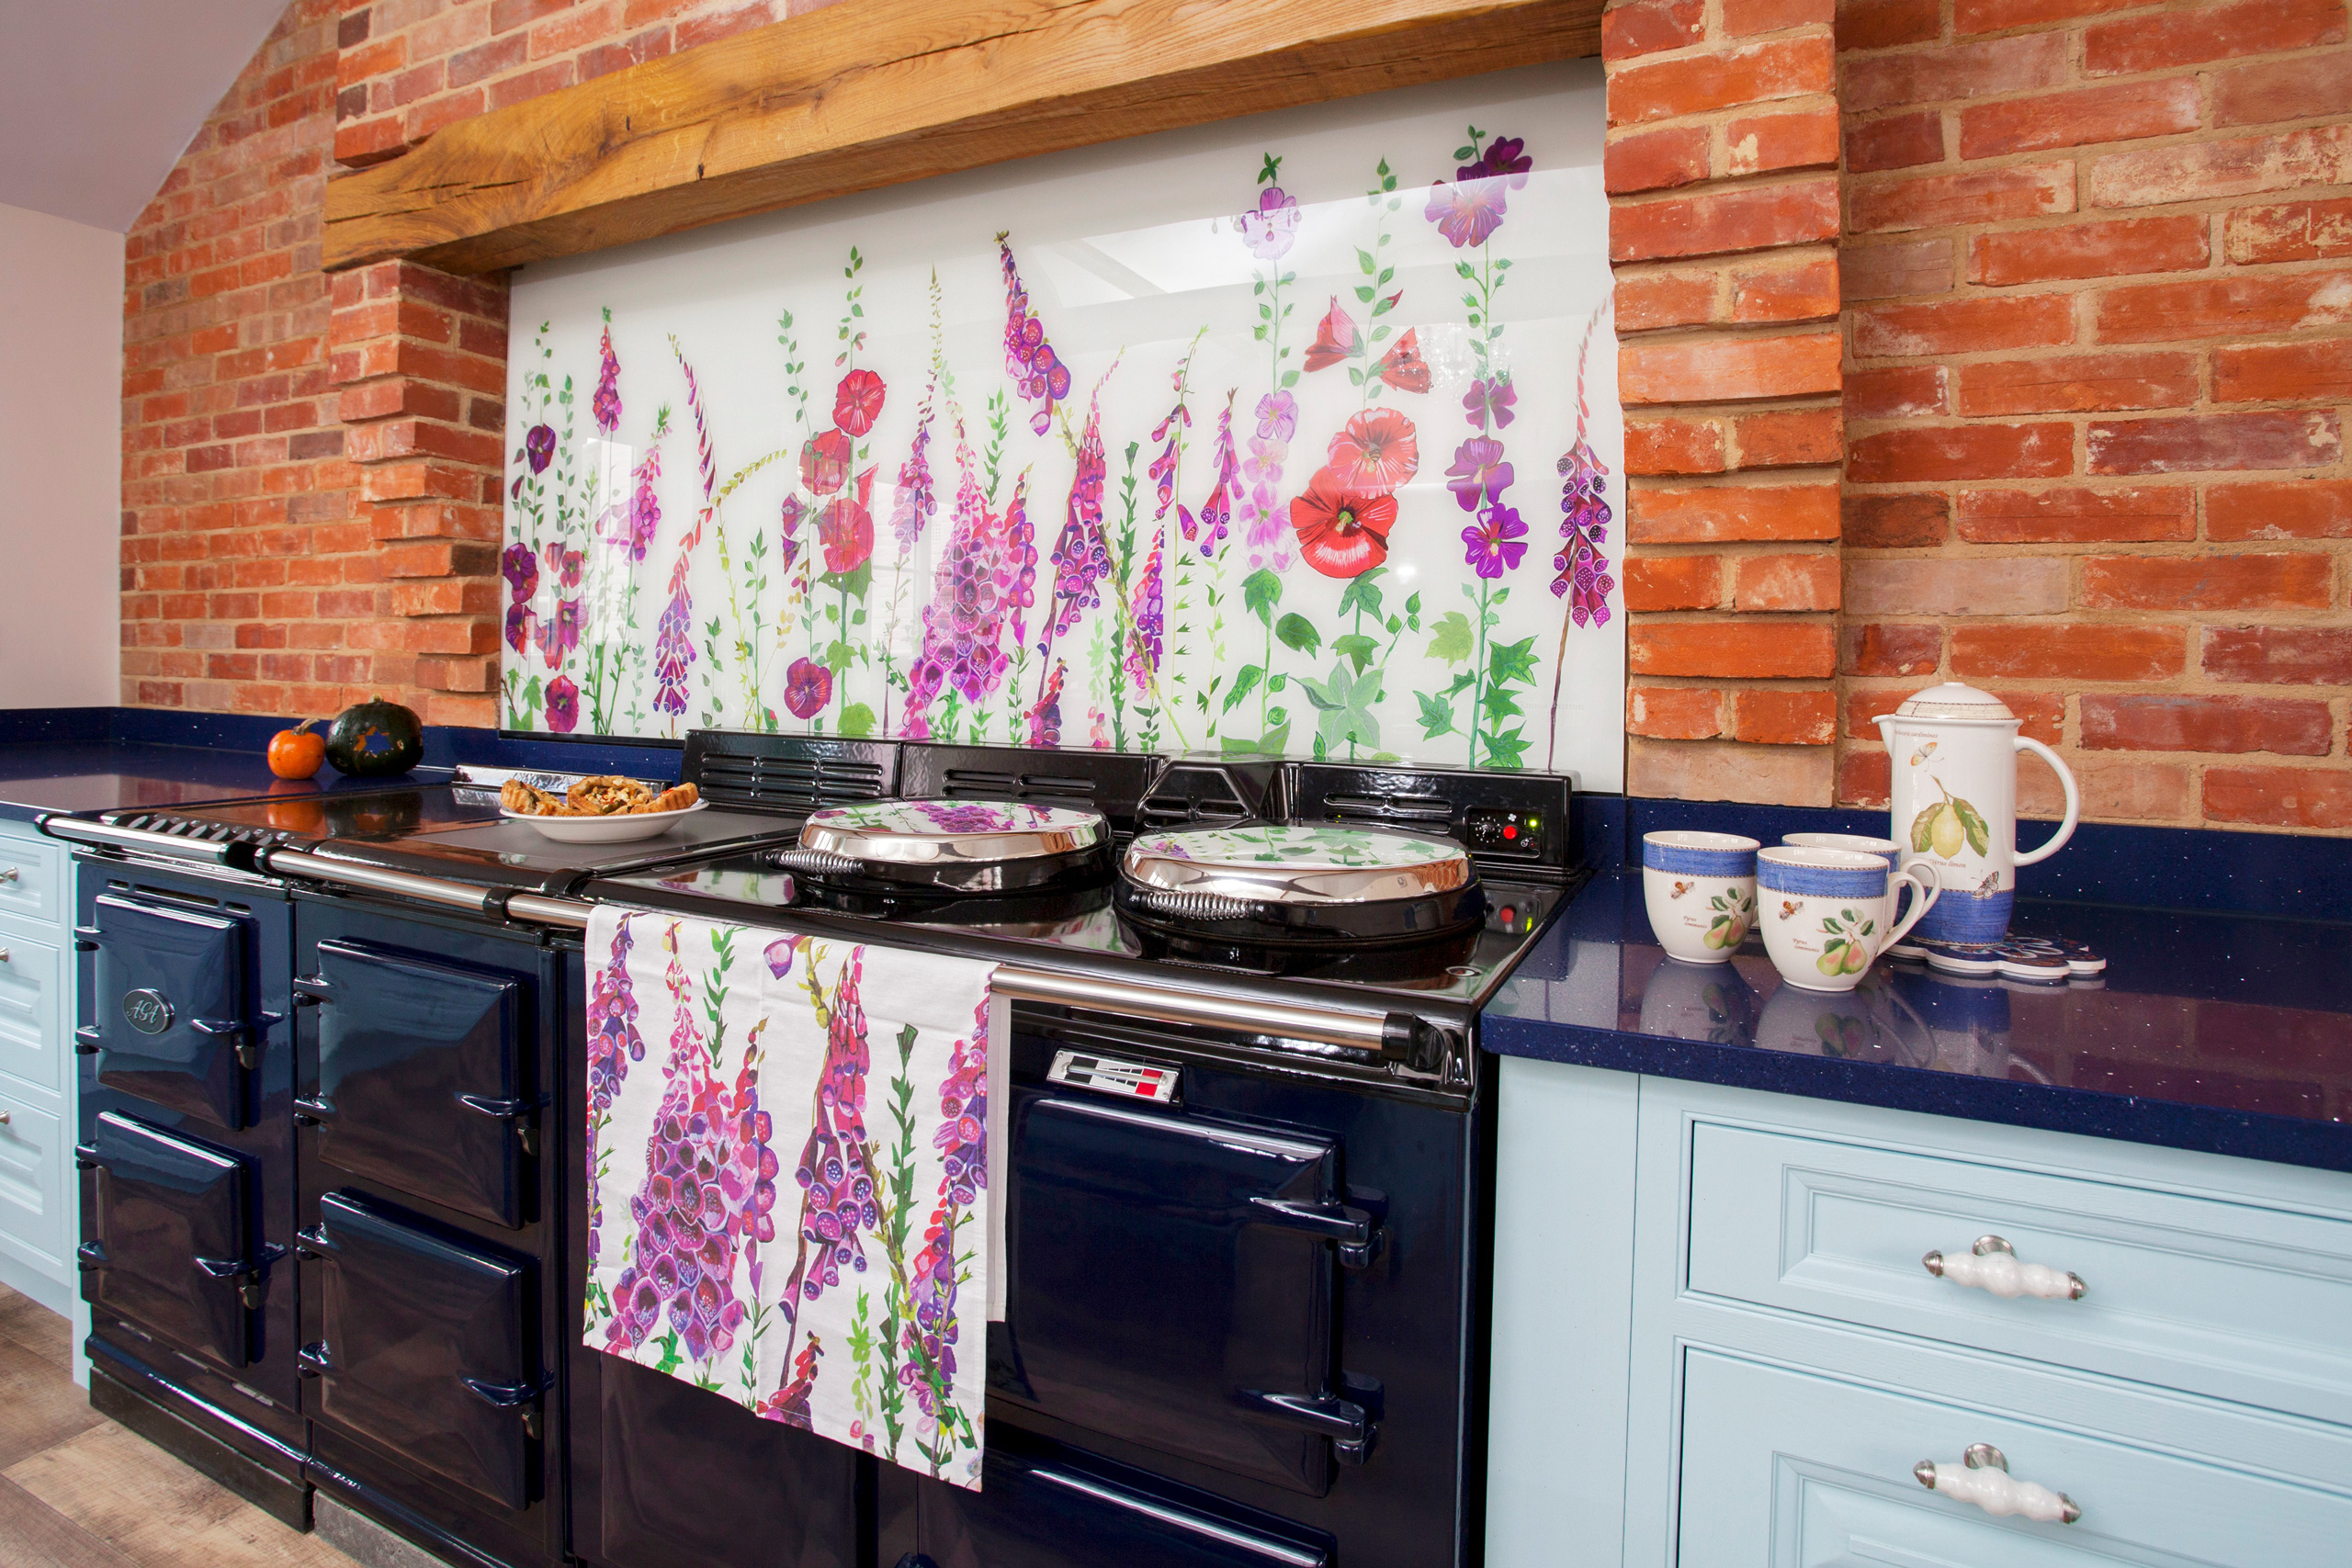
point(1887, 850)
point(1826, 914)
point(1700, 891)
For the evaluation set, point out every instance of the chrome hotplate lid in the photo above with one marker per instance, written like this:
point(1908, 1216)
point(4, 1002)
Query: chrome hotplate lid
point(1272, 862)
point(931, 832)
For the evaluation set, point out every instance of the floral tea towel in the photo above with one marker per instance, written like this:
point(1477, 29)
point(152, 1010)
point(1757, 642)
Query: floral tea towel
point(799, 1184)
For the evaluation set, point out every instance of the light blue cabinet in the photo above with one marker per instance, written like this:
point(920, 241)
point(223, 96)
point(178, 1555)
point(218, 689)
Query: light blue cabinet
point(37, 1185)
point(1715, 1341)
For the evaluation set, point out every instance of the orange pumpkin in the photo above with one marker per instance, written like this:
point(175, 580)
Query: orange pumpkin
point(296, 753)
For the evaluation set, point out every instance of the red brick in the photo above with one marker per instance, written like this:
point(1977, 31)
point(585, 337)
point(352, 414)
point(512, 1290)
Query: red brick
point(2078, 384)
point(1896, 142)
point(368, 141)
point(1975, 196)
point(2115, 722)
point(1673, 582)
point(2078, 516)
point(2296, 230)
point(2191, 36)
point(1721, 79)
point(1766, 293)
point(1655, 159)
point(1932, 452)
point(2195, 443)
point(1965, 585)
point(2089, 250)
point(2120, 113)
point(531, 84)
point(2000, 15)
point(607, 58)
point(2305, 87)
point(1784, 583)
point(1722, 369)
point(1886, 24)
point(2279, 656)
point(2284, 581)
point(1628, 31)
point(2318, 799)
point(1650, 300)
point(1706, 514)
point(1737, 220)
point(2243, 166)
point(1901, 391)
point(1746, 18)
point(2224, 307)
point(1873, 648)
point(1777, 717)
point(1887, 272)
point(1739, 649)
point(2118, 653)
point(371, 60)
point(1961, 71)
point(1656, 446)
point(1895, 522)
point(1790, 438)
point(1963, 326)
point(711, 28)
point(2298, 372)
point(1864, 777)
point(2280, 509)
point(1674, 713)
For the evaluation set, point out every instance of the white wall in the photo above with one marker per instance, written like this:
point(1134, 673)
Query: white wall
point(61, 461)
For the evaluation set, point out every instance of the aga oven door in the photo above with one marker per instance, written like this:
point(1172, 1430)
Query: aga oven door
point(1172, 1278)
point(173, 1021)
point(414, 1073)
point(426, 1346)
point(173, 1242)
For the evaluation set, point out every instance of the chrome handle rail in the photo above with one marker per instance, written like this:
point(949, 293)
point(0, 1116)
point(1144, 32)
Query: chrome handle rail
point(106, 835)
point(425, 889)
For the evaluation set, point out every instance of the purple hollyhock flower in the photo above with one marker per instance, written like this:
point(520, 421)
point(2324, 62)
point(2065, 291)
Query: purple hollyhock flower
point(1272, 228)
point(1480, 474)
point(520, 566)
point(807, 687)
point(1495, 543)
point(1277, 417)
point(1489, 403)
point(563, 704)
point(538, 445)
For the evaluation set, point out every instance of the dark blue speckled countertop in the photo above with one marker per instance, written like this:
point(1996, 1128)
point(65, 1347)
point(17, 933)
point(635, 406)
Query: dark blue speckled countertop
point(2225, 1032)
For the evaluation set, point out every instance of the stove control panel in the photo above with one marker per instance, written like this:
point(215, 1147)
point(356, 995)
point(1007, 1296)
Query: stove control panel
point(1109, 1075)
point(1494, 832)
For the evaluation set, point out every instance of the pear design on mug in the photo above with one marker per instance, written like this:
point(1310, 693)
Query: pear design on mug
point(1947, 824)
point(1847, 950)
point(1735, 913)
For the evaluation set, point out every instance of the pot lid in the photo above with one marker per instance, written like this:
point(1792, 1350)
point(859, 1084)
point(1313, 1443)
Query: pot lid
point(1952, 700)
point(1297, 864)
point(934, 832)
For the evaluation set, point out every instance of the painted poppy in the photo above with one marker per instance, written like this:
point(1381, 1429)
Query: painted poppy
point(1334, 338)
point(857, 402)
point(1377, 451)
point(825, 460)
point(1402, 367)
point(1342, 532)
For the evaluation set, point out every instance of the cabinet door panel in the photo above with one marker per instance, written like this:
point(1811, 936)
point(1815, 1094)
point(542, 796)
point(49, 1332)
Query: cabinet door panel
point(33, 1203)
point(31, 1025)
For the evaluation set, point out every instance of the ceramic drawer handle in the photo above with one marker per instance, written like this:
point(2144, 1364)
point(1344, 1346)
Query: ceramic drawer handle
point(1983, 1477)
point(1992, 1265)
point(7, 873)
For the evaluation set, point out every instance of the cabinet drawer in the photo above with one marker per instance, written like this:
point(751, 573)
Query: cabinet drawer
point(2237, 1301)
point(33, 1199)
point(33, 1025)
point(1821, 1470)
point(32, 876)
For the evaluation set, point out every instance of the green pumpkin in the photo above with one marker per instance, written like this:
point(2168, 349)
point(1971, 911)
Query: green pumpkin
point(375, 740)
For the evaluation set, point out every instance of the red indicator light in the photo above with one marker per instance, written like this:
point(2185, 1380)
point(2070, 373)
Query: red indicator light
point(1510, 831)
point(1509, 914)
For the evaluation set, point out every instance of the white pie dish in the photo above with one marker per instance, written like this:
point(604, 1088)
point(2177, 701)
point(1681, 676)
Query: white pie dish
point(623, 828)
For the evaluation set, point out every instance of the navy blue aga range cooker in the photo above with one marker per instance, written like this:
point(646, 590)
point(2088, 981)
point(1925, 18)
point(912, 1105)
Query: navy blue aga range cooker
point(1245, 1193)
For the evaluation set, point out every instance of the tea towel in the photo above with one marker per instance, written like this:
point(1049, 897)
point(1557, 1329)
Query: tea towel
point(789, 1195)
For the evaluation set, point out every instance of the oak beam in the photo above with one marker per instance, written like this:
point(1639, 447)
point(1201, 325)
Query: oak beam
point(878, 93)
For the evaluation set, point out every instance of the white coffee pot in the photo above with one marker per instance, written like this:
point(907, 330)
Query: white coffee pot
point(1953, 802)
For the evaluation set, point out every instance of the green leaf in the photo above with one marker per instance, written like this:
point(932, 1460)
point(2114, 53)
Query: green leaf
point(1363, 294)
point(1261, 591)
point(1363, 260)
point(1511, 661)
point(1245, 682)
point(1295, 630)
point(1505, 751)
point(1322, 697)
point(838, 655)
point(857, 721)
point(1923, 828)
point(1454, 640)
point(1363, 593)
point(1437, 716)
point(1289, 380)
point(1464, 154)
point(1979, 836)
point(1357, 648)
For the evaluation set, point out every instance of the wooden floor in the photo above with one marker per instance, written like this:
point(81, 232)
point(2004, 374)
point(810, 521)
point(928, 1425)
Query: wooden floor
point(76, 1490)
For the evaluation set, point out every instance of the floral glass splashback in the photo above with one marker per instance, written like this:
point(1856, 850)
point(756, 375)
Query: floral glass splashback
point(1296, 433)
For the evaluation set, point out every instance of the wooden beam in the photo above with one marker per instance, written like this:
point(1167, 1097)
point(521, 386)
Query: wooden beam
point(877, 92)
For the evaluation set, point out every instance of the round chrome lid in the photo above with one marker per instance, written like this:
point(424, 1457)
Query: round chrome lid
point(1272, 862)
point(937, 832)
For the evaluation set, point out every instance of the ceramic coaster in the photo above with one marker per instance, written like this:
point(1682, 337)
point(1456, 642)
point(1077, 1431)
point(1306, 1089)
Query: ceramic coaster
point(2023, 964)
point(2079, 957)
point(1964, 958)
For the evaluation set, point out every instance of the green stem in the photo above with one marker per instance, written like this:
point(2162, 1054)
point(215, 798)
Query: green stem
point(1478, 686)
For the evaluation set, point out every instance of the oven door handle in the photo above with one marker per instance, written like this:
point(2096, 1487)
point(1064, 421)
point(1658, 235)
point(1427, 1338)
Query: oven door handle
point(1347, 1424)
point(518, 1396)
point(1354, 1229)
point(241, 1036)
point(513, 1111)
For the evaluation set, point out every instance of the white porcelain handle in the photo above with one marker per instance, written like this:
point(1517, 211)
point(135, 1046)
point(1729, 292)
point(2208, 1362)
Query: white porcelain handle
point(2073, 802)
point(1983, 1478)
point(1992, 1265)
point(1926, 887)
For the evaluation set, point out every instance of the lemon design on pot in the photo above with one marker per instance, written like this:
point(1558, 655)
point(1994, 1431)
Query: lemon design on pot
point(1947, 824)
point(1846, 950)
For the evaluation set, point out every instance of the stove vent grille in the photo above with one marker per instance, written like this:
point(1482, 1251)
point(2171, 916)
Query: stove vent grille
point(790, 783)
point(1410, 811)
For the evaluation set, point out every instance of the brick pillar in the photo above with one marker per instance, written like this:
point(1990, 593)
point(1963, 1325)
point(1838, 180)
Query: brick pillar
point(420, 359)
point(1720, 160)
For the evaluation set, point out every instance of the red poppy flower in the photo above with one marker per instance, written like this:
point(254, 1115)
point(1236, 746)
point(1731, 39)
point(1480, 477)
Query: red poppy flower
point(857, 402)
point(824, 461)
point(1377, 451)
point(1342, 532)
point(1334, 338)
point(1402, 366)
point(845, 529)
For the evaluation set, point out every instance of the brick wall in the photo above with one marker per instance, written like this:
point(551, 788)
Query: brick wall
point(2098, 267)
